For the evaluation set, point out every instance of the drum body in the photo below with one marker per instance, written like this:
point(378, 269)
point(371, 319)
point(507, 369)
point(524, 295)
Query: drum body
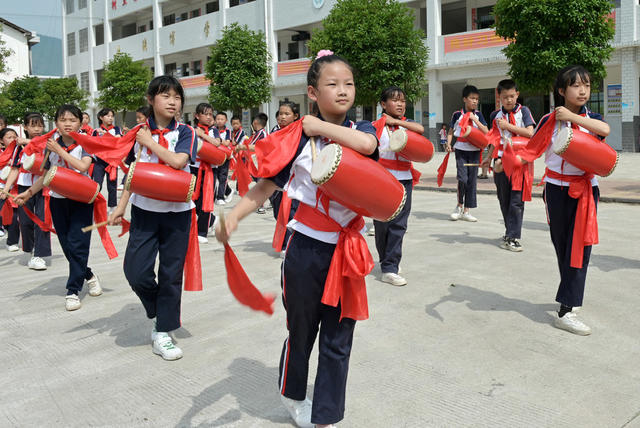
point(519, 142)
point(411, 145)
point(359, 183)
point(160, 182)
point(4, 173)
point(585, 151)
point(475, 136)
point(211, 154)
point(33, 163)
point(72, 184)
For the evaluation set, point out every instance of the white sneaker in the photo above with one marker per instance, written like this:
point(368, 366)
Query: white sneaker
point(468, 217)
point(37, 263)
point(456, 214)
point(220, 202)
point(393, 279)
point(2, 233)
point(229, 198)
point(163, 346)
point(572, 323)
point(13, 248)
point(72, 302)
point(371, 231)
point(94, 286)
point(300, 411)
point(203, 239)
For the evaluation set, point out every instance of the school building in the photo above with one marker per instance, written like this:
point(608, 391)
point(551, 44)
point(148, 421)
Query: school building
point(174, 37)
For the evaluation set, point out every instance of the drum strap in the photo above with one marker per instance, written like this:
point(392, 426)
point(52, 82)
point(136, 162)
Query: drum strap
point(350, 263)
point(585, 228)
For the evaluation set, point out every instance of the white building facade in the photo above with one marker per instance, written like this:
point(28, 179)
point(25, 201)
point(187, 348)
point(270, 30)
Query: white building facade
point(19, 41)
point(173, 37)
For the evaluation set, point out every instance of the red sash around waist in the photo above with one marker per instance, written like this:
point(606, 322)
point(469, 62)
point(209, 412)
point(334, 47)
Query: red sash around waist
point(350, 263)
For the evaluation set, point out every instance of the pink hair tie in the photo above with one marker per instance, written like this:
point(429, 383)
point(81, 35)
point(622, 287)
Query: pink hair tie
point(324, 52)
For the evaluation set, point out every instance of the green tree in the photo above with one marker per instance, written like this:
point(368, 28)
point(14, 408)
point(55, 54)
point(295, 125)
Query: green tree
point(239, 69)
point(549, 35)
point(378, 38)
point(124, 84)
point(56, 92)
point(44, 96)
point(5, 53)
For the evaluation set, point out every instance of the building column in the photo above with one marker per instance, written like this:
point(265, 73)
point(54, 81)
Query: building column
point(630, 101)
point(434, 30)
point(436, 114)
point(93, 87)
point(158, 61)
point(107, 32)
point(272, 47)
point(65, 53)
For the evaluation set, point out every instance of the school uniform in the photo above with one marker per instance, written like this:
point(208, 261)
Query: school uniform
point(203, 216)
point(562, 212)
point(317, 227)
point(69, 217)
point(33, 238)
point(511, 202)
point(100, 166)
point(389, 235)
point(221, 172)
point(160, 228)
point(13, 229)
point(466, 153)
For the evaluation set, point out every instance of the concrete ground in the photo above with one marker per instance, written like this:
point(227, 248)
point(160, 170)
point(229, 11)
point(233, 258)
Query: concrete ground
point(468, 342)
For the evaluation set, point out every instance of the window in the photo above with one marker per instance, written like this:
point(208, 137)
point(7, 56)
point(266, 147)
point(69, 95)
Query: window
point(238, 3)
point(99, 31)
point(83, 39)
point(142, 29)
point(596, 101)
point(69, 6)
point(484, 17)
point(185, 69)
point(182, 17)
point(423, 21)
point(99, 76)
point(169, 19)
point(213, 6)
point(82, 4)
point(293, 51)
point(71, 44)
point(150, 25)
point(196, 66)
point(195, 13)
point(84, 81)
point(170, 69)
point(129, 29)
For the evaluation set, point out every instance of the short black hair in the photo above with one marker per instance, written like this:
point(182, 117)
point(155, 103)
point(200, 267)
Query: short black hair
point(506, 84)
point(163, 84)
point(234, 117)
point(102, 113)
point(145, 110)
point(5, 131)
point(468, 90)
point(32, 116)
point(261, 118)
point(391, 92)
point(567, 77)
point(221, 113)
point(294, 108)
point(68, 108)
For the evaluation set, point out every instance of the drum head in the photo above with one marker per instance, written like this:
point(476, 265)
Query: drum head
point(200, 143)
point(563, 138)
point(28, 161)
point(326, 163)
point(4, 173)
point(398, 140)
point(49, 175)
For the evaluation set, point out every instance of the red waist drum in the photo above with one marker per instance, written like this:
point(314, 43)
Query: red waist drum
point(519, 142)
point(474, 136)
point(33, 163)
point(71, 184)
point(209, 153)
point(585, 151)
point(160, 182)
point(359, 183)
point(411, 145)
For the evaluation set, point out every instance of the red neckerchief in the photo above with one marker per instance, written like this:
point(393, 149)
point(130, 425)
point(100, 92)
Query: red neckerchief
point(107, 128)
point(205, 128)
point(161, 140)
